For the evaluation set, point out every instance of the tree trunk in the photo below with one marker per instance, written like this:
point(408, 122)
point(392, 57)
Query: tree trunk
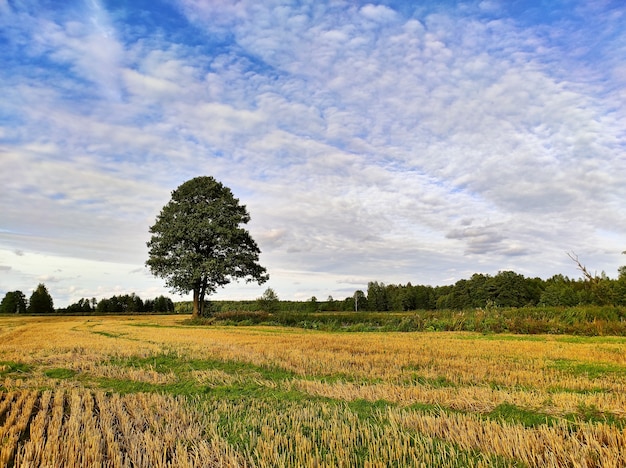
point(202, 294)
point(196, 303)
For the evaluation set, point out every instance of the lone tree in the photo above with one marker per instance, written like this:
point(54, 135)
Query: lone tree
point(40, 301)
point(269, 301)
point(198, 243)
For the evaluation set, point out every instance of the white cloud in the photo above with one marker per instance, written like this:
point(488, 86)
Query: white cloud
point(378, 13)
point(365, 142)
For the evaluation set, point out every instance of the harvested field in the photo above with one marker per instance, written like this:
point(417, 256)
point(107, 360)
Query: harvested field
point(149, 391)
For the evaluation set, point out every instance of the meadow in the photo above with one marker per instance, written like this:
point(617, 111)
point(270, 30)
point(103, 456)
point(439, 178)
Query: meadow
point(151, 391)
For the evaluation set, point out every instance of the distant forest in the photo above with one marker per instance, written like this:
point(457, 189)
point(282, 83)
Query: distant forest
point(506, 289)
point(41, 302)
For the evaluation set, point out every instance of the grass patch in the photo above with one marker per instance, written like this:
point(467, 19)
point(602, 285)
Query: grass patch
point(153, 325)
point(591, 414)
point(12, 368)
point(60, 373)
point(512, 413)
point(591, 339)
point(248, 378)
point(171, 362)
point(591, 370)
point(368, 410)
point(109, 334)
point(498, 337)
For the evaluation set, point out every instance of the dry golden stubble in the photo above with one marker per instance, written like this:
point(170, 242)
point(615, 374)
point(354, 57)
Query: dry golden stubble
point(393, 355)
point(473, 372)
point(480, 399)
point(17, 417)
point(513, 364)
point(80, 428)
point(318, 434)
point(556, 446)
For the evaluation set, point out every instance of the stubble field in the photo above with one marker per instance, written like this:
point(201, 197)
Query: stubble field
point(147, 391)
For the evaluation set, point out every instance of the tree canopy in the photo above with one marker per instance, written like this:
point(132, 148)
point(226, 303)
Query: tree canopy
point(40, 301)
point(14, 302)
point(198, 243)
point(269, 301)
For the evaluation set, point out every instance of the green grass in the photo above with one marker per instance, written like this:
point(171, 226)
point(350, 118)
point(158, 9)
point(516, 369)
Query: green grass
point(108, 334)
point(172, 362)
point(592, 339)
point(590, 370)
point(60, 373)
point(499, 337)
point(368, 410)
point(591, 414)
point(12, 368)
point(514, 414)
point(184, 384)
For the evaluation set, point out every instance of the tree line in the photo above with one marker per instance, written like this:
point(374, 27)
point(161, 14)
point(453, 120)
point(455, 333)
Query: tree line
point(40, 302)
point(506, 289)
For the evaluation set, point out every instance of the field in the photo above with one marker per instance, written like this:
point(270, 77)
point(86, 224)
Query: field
point(148, 391)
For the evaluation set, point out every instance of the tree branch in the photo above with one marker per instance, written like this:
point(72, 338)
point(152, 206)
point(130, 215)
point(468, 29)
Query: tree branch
point(591, 278)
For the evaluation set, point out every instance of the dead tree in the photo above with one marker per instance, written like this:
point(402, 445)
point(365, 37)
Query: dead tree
point(598, 288)
point(593, 279)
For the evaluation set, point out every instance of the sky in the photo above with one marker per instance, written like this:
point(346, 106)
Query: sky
point(389, 141)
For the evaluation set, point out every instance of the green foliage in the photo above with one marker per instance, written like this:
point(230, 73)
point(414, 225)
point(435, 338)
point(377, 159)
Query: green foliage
point(121, 304)
point(506, 289)
point(198, 243)
point(584, 321)
point(83, 306)
point(40, 301)
point(269, 302)
point(14, 302)
point(357, 302)
point(160, 304)
point(377, 297)
point(132, 304)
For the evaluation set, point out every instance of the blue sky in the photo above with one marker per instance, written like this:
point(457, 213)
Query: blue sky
point(391, 141)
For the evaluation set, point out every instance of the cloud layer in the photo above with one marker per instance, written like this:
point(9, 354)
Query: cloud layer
point(369, 141)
